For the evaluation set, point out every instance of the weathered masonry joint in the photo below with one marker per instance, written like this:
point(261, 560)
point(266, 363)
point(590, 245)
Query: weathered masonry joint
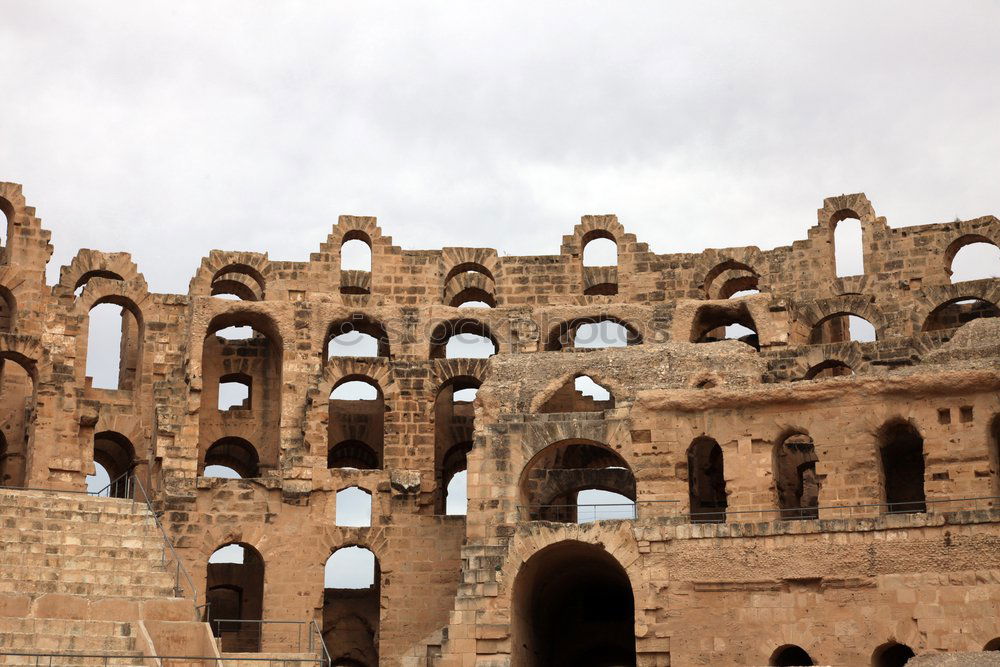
point(450, 457)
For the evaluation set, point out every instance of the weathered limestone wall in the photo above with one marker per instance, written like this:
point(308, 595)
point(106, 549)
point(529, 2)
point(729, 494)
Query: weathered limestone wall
point(444, 581)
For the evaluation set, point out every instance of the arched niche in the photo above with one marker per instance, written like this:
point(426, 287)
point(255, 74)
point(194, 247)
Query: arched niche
point(732, 321)
point(795, 480)
point(454, 427)
point(17, 405)
point(356, 424)
point(352, 605)
point(892, 654)
point(572, 604)
point(234, 590)
point(244, 348)
point(707, 495)
point(828, 369)
point(115, 332)
point(790, 655)
point(551, 481)
point(901, 455)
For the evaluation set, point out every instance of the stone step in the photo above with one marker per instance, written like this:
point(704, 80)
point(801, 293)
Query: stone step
point(76, 527)
point(45, 634)
point(99, 559)
point(70, 538)
point(120, 576)
point(89, 590)
point(65, 659)
point(273, 659)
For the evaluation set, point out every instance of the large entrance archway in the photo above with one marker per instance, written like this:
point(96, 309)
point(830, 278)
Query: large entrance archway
point(573, 605)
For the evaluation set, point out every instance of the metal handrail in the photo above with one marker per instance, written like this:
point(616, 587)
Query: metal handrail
point(313, 633)
point(327, 660)
point(180, 569)
point(125, 477)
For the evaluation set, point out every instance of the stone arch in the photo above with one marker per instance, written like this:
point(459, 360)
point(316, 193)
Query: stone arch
point(707, 488)
point(89, 264)
point(808, 316)
point(956, 245)
point(546, 606)
point(469, 286)
point(15, 290)
point(710, 320)
point(901, 453)
point(935, 298)
point(562, 334)
point(816, 358)
point(250, 269)
point(117, 455)
point(445, 330)
point(131, 297)
point(718, 269)
point(790, 655)
point(236, 591)
point(796, 484)
point(840, 208)
point(550, 481)
point(362, 324)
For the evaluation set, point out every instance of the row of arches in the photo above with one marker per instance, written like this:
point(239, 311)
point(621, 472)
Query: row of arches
point(564, 482)
point(472, 284)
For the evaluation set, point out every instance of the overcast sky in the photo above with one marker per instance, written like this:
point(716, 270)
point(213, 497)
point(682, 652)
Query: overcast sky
point(169, 129)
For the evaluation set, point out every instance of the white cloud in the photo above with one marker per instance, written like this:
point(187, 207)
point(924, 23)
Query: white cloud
point(170, 129)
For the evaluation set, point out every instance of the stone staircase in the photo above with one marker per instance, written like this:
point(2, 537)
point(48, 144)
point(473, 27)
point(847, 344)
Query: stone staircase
point(78, 574)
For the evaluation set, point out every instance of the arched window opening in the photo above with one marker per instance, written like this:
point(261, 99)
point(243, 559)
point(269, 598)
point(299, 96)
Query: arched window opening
point(354, 507)
point(902, 456)
point(356, 253)
point(220, 472)
point(454, 428)
point(116, 456)
point(600, 335)
point(601, 331)
point(457, 495)
point(790, 656)
point(992, 645)
point(742, 293)
point(238, 282)
point(795, 477)
point(462, 339)
point(599, 505)
point(82, 281)
point(842, 327)
point(356, 424)
point(351, 606)
point(234, 392)
point(848, 246)
point(241, 366)
point(953, 314)
point(572, 604)
point(975, 261)
point(470, 285)
point(17, 396)
point(234, 453)
point(600, 249)
point(714, 323)
point(552, 480)
point(579, 394)
point(98, 483)
point(892, 654)
point(706, 482)
point(828, 369)
point(113, 341)
point(357, 336)
point(235, 591)
point(469, 269)
point(8, 310)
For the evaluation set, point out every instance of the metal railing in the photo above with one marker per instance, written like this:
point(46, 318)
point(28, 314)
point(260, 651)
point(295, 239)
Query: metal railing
point(179, 570)
point(120, 487)
point(247, 635)
point(588, 512)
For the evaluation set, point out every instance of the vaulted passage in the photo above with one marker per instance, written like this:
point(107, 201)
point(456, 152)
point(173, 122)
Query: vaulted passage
point(573, 605)
point(235, 593)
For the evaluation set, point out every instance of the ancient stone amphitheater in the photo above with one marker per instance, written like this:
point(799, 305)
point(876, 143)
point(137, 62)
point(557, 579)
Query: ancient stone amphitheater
point(790, 496)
